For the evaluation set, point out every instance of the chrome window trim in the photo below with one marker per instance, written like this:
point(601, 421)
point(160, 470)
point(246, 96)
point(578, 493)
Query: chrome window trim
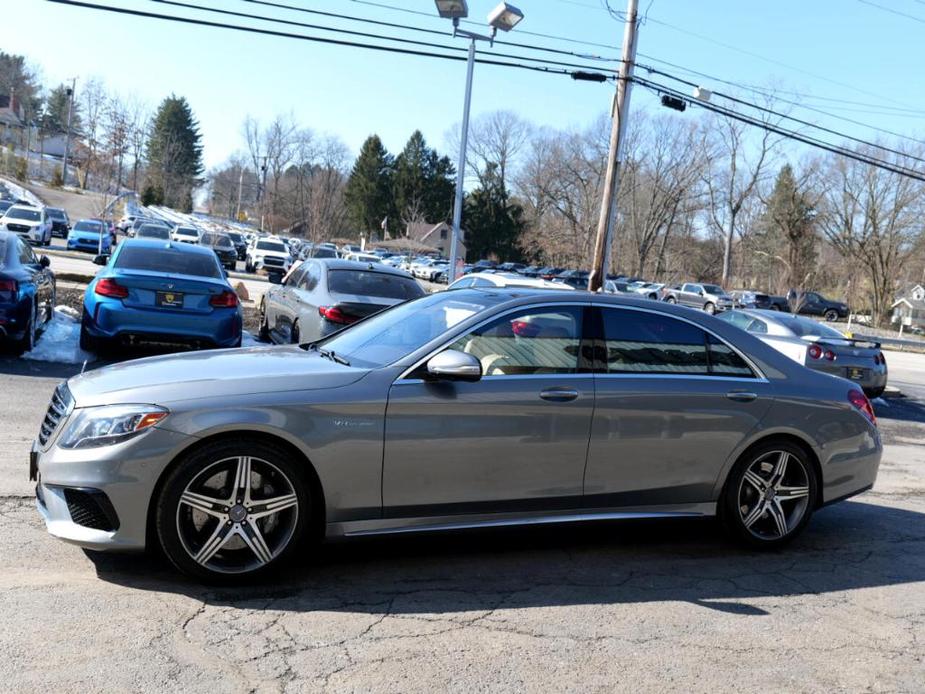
point(759, 374)
point(496, 316)
point(519, 377)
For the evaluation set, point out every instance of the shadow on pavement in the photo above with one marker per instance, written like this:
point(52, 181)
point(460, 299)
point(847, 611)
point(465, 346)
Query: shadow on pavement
point(847, 547)
point(901, 409)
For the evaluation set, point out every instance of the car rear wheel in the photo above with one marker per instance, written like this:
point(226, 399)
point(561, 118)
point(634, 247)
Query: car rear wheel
point(710, 307)
point(27, 342)
point(873, 393)
point(671, 300)
point(264, 333)
point(233, 510)
point(769, 496)
point(295, 336)
point(831, 316)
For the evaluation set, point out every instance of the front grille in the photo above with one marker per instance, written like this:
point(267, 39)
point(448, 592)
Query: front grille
point(60, 405)
point(274, 261)
point(19, 228)
point(91, 508)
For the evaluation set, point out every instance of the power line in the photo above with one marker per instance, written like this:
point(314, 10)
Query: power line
point(406, 27)
point(783, 132)
point(892, 11)
point(304, 37)
point(786, 116)
point(362, 34)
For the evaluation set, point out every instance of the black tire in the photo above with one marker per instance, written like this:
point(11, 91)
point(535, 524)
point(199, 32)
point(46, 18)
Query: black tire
point(764, 530)
point(27, 342)
point(775, 307)
point(671, 300)
point(281, 532)
point(88, 343)
point(710, 308)
point(831, 316)
point(264, 332)
point(295, 335)
point(873, 393)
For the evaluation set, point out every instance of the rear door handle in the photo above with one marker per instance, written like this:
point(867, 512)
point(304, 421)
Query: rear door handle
point(559, 394)
point(741, 396)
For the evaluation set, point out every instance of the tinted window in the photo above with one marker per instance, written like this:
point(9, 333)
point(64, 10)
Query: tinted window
point(271, 246)
point(649, 343)
point(378, 284)
point(57, 214)
point(4, 249)
point(295, 276)
point(738, 319)
point(20, 213)
point(537, 341)
point(187, 232)
point(324, 253)
point(94, 227)
point(235, 237)
point(152, 231)
point(26, 256)
point(168, 260)
point(713, 289)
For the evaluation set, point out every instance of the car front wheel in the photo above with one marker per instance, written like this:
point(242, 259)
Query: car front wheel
point(831, 316)
point(768, 499)
point(233, 510)
point(710, 307)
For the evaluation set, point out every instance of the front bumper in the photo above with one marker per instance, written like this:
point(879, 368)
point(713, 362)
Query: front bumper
point(91, 245)
point(125, 474)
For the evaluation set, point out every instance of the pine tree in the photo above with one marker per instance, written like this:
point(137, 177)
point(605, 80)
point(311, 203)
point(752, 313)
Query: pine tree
point(493, 223)
point(54, 112)
point(174, 153)
point(788, 222)
point(368, 191)
point(423, 184)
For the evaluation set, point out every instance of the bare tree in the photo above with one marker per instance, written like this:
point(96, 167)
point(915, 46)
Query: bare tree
point(495, 139)
point(94, 101)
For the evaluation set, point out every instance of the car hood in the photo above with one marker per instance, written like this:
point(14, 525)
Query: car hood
point(210, 374)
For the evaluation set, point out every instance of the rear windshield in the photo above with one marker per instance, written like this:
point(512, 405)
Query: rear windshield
point(271, 246)
point(20, 213)
point(153, 231)
point(378, 284)
point(235, 237)
point(807, 327)
point(187, 232)
point(95, 227)
point(324, 253)
point(216, 240)
point(168, 260)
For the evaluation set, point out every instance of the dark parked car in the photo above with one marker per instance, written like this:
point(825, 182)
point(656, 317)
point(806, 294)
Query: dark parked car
point(223, 247)
point(60, 224)
point(814, 304)
point(240, 243)
point(550, 272)
point(320, 297)
point(578, 279)
point(512, 267)
point(27, 292)
point(746, 298)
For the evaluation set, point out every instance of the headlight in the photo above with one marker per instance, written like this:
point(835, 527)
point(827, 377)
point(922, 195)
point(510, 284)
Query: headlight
point(109, 424)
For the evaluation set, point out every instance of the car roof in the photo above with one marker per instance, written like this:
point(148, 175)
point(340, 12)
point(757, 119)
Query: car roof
point(26, 206)
point(161, 243)
point(340, 264)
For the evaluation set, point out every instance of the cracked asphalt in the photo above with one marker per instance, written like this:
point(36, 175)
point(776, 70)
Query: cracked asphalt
point(638, 606)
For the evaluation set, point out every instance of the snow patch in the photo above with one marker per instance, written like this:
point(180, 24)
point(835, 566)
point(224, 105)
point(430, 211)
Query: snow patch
point(248, 340)
point(60, 342)
point(880, 402)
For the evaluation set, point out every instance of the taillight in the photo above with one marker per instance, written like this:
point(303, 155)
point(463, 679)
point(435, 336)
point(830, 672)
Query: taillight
point(522, 328)
point(829, 355)
point(8, 286)
point(860, 401)
point(815, 352)
point(880, 359)
point(226, 299)
point(335, 315)
point(111, 288)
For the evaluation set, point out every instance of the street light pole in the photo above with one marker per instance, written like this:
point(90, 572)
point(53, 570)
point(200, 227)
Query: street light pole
point(607, 221)
point(67, 135)
point(461, 168)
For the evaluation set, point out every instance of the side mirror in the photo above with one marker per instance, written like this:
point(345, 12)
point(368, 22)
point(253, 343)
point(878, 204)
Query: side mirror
point(44, 261)
point(452, 365)
point(101, 260)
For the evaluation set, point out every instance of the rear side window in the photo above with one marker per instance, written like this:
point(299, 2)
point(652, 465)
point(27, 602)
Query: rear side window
point(167, 260)
point(638, 342)
point(380, 284)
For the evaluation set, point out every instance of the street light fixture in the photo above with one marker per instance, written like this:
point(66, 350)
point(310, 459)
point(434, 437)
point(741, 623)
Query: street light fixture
point(504, 17)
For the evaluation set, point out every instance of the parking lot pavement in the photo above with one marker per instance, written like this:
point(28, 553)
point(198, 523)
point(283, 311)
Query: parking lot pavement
point(642, 606)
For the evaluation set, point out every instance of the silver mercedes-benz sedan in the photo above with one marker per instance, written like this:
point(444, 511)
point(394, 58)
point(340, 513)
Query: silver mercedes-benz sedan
point(461, 409)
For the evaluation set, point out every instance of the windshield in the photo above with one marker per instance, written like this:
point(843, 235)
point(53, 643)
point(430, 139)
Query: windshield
point(153, 231)
point(713, 289)
point(168, 260)
point(57, 214)
point(22, 213)
point(397, 332)
point(807, 327)
point(215, 240)
point(93, 227)
point(380, 284)
point(235, 237)
point(271, 246)
point(187, 232)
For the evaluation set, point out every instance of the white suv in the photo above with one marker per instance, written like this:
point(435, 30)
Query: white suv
point(185, 235)
point(268, 254)
point(32, 224)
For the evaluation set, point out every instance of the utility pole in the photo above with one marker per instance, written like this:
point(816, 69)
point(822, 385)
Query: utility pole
point(67, 135)
point(263, 193)
point(237, 212)
point(601, 258)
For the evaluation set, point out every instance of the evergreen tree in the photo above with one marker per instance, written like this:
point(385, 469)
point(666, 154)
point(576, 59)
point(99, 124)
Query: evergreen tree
point(422, 185)
point(54, 112)
point(174, 153)
point(788, 223)
point(368, 192)
point(493, 223)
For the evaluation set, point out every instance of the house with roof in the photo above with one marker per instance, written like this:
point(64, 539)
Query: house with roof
point(437, 236)
point(12, 121)
point(909, 308)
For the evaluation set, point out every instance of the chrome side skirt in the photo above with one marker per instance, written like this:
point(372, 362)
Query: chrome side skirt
point(391, 526)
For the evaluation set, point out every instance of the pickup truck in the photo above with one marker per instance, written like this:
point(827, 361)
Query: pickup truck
point(709, 297)
point(814, 304)
point(746, 298)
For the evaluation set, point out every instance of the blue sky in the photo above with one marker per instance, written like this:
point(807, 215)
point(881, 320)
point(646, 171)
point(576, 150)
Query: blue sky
point(829, 51)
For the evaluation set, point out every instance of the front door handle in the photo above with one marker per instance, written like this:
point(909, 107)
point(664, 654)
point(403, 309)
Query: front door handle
point(559, 394)
point(741, 396)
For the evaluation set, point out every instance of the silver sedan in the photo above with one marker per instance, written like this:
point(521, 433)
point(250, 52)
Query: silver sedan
point(462, 409)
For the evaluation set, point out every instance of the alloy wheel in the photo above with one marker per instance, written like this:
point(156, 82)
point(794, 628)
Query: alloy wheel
point(774, 495)
point(237, 515)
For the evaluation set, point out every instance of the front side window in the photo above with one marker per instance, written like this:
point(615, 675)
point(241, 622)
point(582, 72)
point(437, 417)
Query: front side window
point(639, 342)
point(26, 256)
point(532, 342)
